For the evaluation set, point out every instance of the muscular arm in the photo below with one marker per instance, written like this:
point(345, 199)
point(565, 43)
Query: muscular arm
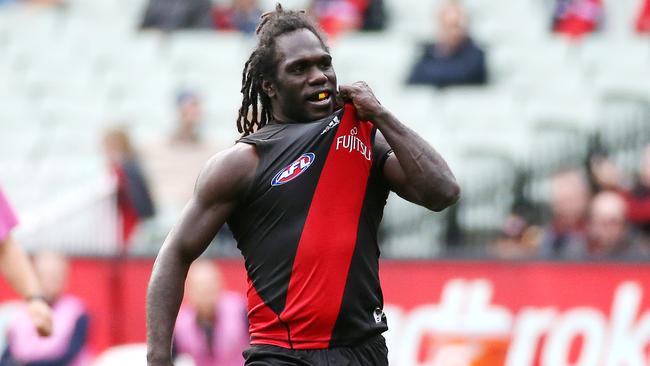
point(217, 191)
point(415, 171)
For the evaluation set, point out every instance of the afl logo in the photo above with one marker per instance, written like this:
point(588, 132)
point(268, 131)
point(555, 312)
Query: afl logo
point(293, 170)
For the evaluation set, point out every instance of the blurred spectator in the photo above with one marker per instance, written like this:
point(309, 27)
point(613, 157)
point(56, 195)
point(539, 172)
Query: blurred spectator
point(576, 18)
point(638, 198)
point(605, 175)
point(45, 2)
point(374, 16)
point(241, 15)
point(211, 327)
point(609, 235)
point(565, 236)
point(67, 345)
point(134, 202)
point(15, 267)
point(517, 239)
point(174, 162)
point(34, 2)
point(454, 59)
point(643, 20)
point(337, 16)
point(171, 15)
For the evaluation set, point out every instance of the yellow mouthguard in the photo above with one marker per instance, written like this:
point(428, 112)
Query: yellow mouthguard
point(322, 96)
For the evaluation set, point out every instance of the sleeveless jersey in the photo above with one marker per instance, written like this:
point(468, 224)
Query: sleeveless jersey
point(307, 228)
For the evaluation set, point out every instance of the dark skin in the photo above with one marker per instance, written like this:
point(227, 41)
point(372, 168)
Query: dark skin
point(415, 171)
point(304, 69)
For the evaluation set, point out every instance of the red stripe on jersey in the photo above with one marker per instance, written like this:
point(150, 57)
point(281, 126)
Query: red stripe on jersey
point(265, 326)
point(329, 236)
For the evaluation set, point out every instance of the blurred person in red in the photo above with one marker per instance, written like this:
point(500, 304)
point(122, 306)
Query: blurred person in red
point(17, 270)
point(134, 202)
point(565, 236)
point(609, 235)
point(577, 18)
point(643, 20)
point(171, 15)
point(454, 59)
point(211, 327)
point(67, 345)
point(337, 16)
point(240, 15)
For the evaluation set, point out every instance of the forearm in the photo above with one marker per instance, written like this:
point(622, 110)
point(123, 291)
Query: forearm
point(428, 175)
point(17, 269)
point(164, 297)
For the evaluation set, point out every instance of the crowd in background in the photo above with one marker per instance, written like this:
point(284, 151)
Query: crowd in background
point(334, 16)
point(595, 213)
point(573, 18)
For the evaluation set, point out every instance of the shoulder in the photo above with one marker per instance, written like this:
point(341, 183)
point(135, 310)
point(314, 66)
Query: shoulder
point(264, 133)
point(227, 173)
point(470, 44)
point(427, 48)
point(237, 160)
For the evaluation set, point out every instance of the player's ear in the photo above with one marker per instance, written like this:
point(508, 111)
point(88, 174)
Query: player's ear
point(268, 88)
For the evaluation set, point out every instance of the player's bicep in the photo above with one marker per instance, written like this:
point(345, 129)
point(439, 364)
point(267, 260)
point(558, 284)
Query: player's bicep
point(392, 171)
point(197, 226)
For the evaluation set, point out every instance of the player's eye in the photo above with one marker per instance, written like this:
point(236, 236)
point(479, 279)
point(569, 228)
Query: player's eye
point(326, 64)
point(298, 69)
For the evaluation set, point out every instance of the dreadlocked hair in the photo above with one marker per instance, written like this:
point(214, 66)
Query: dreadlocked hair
point(262, 64)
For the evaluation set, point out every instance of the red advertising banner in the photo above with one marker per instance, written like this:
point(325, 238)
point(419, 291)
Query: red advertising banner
point(487, 314)
point(441, 313)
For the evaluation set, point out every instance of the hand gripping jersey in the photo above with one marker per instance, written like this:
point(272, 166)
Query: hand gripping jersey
point(307, 229)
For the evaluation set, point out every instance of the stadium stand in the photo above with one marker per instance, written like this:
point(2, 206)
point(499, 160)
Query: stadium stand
point(67, 73)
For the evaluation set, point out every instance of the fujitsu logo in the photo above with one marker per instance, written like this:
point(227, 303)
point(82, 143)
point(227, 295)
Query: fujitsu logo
point(352, 142)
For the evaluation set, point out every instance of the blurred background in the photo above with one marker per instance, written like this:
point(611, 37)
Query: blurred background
point(109, 109)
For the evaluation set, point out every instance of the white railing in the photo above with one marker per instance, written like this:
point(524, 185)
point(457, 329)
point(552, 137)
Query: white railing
point(81, 222)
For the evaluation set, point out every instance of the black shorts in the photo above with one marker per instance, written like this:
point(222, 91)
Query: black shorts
point(370, 353)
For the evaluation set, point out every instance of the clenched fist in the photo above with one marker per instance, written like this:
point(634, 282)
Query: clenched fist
point(41, 314)
point(364, 100)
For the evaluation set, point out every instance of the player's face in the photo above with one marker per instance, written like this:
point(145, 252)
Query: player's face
point(305, 82)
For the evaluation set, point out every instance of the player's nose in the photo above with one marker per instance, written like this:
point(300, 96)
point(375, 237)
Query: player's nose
point(317, 76)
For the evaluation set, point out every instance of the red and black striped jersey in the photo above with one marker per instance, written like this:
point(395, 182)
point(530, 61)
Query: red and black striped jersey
point(307, 228)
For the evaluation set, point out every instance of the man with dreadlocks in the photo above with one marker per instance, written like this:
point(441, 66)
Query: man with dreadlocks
point(303, 191)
